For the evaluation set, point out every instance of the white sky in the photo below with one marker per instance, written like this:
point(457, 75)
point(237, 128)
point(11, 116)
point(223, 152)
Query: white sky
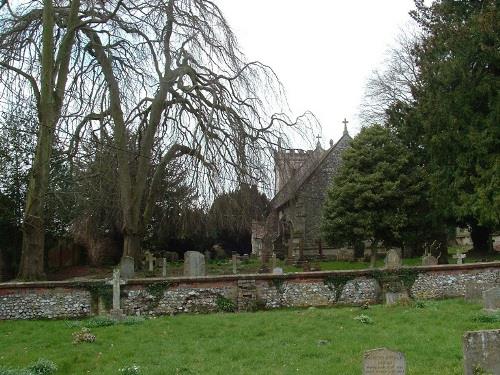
point(322, 50)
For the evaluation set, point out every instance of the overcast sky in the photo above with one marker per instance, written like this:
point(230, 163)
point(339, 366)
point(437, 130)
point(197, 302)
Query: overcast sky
point(322, 50)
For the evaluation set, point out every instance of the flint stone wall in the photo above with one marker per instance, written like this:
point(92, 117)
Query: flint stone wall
point(161, 296)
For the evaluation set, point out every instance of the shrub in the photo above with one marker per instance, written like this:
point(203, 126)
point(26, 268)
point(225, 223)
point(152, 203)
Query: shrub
point(487, 318)
point(42, 367)
point(365, 319)
point(130, 370)
point(225, 304)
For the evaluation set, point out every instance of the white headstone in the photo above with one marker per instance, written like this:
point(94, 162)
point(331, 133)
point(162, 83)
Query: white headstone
point(127, 267)
point(150, 259)
point(491, 300)
point(393, 259)
point(194, 264)
point(278, 271)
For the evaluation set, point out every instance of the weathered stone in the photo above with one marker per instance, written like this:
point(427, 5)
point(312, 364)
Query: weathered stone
point(392, 298)
point(164, 267)
point(127, 270)
point(491, 299)
point(150, 260)
point(116, 281)
point(429, 260)
point(392, 259)
point(278, 271)
point(474, 290)
point(383, 361)
point(194, 264)
point(481, 352)
point(234, 261)
point(459, 257)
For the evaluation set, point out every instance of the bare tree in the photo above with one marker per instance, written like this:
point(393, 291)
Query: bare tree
point(394, 82)
point(179, 89)
point(35, 50)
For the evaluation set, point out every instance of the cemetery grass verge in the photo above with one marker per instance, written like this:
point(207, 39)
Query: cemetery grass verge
point(306, 341)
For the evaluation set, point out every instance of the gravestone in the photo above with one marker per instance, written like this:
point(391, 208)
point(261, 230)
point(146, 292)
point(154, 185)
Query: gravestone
point(474, 290)
point(278, 271)
point(491, 300)
point(150, 259)
point(116, 312)
point(459, 257)
point(127, 267)
point(194, 264)
point(383, 361)
point(274, 261)
point(393, 259)
point(429, 260)
point(234, 261)
point(481, 352)
point(164, 267)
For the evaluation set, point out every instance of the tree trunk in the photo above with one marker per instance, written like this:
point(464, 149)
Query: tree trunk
point(132, 245)
point(481, 239)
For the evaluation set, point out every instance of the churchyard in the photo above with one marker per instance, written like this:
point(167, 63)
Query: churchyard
point(303, 341)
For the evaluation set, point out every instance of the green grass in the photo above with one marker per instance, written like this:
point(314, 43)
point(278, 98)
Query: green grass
point(308, 341)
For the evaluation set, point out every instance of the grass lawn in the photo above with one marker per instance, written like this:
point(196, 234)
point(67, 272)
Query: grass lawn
point(307, 341)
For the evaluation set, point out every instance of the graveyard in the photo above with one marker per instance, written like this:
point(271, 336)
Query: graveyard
point(306, 341)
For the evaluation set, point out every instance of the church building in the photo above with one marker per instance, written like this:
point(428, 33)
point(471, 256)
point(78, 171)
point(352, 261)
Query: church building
point(302, 178)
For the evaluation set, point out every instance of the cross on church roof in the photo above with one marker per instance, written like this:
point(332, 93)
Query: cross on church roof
point(345, 122)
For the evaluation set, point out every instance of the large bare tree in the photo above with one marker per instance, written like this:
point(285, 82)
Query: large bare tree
point(178, 88)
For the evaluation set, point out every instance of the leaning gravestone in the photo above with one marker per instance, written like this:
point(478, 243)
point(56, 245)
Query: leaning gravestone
point(481, 352)
point(194, 264)
point(127, 267)
point(429, 260)
point(491, 300)
point(383, 361)
point(392, 259)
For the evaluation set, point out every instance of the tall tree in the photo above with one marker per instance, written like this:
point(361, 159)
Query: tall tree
point(191, 97)
point(458, 106)
point(375, 193)
point(46, 70)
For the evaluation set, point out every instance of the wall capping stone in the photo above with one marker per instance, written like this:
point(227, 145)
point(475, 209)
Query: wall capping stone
point(262, 276)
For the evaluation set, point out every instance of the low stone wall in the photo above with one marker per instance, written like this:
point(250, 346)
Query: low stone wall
point(155, 296)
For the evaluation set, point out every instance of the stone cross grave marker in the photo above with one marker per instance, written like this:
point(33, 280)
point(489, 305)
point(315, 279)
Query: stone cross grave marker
point(459, 257)
point(274, 261)
point(491, 300)
point(383, 361)
point(164, 267)
point(392, 259)
point(481, 352)
point(150, 259)
point(234, 260)
point(429, 260)
point(194, 264)
point(116, 282)
point(127, 267)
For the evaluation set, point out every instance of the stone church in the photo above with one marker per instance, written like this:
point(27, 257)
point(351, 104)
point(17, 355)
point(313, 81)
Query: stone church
point(302, 177)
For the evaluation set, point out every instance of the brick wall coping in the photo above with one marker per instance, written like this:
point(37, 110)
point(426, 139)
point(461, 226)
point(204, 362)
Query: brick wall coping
point(265, 276)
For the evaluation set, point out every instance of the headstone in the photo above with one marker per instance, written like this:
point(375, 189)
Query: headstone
point(474, 290)
point(274, 261)
point(127, 267)
point(481, 352)
point(383, 361)
point(234, 261)
point(459, 257)
point(392, 259)
point(429, 260)
point(491, 300)
point(116, 312)
point(194, 264)
point(164, 267)
point(278, 271)
point(150, 259)
point(392, 298)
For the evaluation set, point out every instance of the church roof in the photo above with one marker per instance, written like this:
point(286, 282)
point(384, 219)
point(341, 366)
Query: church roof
point(289, 190)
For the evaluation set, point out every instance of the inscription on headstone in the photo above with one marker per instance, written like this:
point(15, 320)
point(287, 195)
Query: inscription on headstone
point(481, 352)
point(392, 259)
point(383, 361)
point(194, 264)
point(491, 300)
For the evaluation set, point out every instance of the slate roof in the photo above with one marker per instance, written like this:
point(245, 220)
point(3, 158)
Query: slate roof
point(289, 190)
